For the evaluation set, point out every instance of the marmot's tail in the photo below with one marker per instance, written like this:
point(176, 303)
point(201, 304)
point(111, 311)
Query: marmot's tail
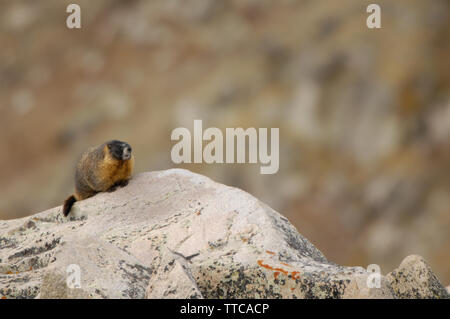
point(68, 203)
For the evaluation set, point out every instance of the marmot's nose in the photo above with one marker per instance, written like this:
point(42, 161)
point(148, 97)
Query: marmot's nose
point(126, 152)
point(126, 148)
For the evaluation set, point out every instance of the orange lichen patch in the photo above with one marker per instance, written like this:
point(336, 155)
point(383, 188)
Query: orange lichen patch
point(292, 289)
point(3, 297)
point(244, 239)
point(31, 268)
point(198, 213)
point(35, 219)
point(295, 275)
point(9, 272)
point(270, 252)
point(287, 265)
point(260, 262)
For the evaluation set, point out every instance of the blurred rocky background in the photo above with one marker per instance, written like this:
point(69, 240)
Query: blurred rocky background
point(364, 114)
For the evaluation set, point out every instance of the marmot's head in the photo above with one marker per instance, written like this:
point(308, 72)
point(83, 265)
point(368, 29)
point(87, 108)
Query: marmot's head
point(119, 150)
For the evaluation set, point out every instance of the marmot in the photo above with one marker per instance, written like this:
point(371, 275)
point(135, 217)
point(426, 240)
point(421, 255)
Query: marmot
point(100, 169)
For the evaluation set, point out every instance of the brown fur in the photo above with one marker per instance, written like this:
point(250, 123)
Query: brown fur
point(97, 171)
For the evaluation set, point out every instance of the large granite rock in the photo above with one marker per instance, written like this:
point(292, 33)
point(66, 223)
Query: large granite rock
point(175, 234)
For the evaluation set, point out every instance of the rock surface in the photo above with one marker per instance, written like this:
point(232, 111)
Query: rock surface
point(175, 234)
point(415, 279)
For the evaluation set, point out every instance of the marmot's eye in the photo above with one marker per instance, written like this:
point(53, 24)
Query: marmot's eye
point(109, 146)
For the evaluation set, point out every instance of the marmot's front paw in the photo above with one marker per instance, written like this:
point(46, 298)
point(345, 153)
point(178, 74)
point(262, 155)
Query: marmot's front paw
point(112, 188)
point(122, 183)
